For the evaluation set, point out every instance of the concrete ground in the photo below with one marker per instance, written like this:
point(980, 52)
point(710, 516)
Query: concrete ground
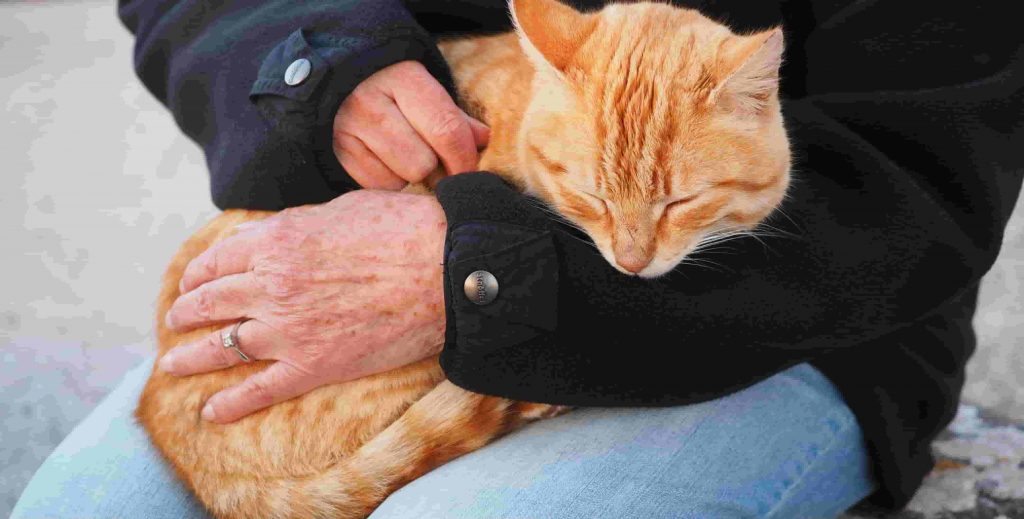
point(97, 189)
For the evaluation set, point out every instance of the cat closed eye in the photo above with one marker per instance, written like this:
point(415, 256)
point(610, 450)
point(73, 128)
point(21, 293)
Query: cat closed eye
point(595, 200)
point(682, 201)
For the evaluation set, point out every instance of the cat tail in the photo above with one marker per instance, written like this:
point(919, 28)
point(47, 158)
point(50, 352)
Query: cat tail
point(446, 423)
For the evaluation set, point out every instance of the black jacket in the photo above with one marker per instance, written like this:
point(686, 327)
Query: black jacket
point(908, 135)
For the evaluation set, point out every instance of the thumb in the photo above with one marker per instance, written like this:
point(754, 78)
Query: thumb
point(481, 133)
point(279, 382)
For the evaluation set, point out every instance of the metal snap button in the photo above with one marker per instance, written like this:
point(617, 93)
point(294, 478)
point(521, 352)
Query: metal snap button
point(481, 287)
point(297, 72)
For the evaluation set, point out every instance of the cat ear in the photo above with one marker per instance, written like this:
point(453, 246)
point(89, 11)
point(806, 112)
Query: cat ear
point(550, 32)
point(752, 72)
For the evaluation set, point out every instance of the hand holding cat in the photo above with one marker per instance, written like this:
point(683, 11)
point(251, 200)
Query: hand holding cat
point(399, 124)
point(332, 292)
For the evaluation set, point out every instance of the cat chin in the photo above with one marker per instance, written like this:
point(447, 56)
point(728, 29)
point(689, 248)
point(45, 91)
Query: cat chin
point(657, 269)
point(660, 267)
point(609, 257)
point(650, 272)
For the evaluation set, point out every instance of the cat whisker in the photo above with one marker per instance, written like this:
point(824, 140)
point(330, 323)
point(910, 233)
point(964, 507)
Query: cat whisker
point(706, 263)
point(759, 233)
point(782, 212)
point(716, 249)
point(766, 229)
point(563, 220)
point(702, 263)
point(719, 237)
point(585, 242)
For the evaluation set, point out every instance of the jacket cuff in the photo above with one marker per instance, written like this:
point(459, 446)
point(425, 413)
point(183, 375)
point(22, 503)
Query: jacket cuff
point(494, 228)
point(304, 112)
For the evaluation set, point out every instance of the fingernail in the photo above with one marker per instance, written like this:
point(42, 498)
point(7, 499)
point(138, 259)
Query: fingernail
point(167, 320)
point(181, 286)
point(167, 362)
point(208, 413)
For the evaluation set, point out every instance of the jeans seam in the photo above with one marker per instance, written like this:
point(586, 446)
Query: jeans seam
point(848, 422)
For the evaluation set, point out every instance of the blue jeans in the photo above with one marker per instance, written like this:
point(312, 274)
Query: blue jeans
point(787, 447)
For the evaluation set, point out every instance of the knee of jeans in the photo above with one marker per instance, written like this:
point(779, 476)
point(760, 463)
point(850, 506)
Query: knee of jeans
point(837, 477)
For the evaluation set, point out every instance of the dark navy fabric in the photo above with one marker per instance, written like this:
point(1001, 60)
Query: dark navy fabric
point(906, 123)
point(219, 67)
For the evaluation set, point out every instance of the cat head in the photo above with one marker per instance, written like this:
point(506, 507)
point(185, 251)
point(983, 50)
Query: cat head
point(651, 127)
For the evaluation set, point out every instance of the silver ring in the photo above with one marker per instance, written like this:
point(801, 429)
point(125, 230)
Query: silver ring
point(229, 339)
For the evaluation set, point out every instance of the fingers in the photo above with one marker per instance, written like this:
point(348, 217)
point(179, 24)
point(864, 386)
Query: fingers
point(279, 382)
point(481, 133)
point(434, 115)
point(223, 299)
point(363, 166)
point(399, 124)
point(255, 339)
point(394, 141)
point(233, 255)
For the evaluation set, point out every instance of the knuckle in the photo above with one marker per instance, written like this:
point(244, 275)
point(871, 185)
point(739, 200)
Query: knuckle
point(291, 272)
point(407, 68)
point(259, 392)
point(209, 264)
point(205, 304)
point(448, 125)
point(281, 284)
point(280, 233)
point(290, 281)
point(362, 108)
point(420, 167)
point(345, 144)
point(373, 117)
point(358, 98)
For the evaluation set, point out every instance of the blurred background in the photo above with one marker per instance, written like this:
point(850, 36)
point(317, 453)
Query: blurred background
point(98, 188)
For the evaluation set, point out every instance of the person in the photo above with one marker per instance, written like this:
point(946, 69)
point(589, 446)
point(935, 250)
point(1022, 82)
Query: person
point(795, 381)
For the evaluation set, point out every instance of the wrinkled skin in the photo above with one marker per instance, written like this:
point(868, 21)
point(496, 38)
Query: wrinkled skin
point(334, 292)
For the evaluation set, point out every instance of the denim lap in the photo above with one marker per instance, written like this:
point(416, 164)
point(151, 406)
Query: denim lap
point(106, 468)
point(787, 447)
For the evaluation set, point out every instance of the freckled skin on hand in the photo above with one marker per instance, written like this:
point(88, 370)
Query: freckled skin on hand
point(336, 306)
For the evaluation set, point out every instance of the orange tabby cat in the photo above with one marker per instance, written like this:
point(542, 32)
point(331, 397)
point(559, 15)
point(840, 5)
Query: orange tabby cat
point(648, 126)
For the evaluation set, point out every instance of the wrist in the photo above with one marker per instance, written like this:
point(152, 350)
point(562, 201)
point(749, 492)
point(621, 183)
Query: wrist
point(435, 234)
point(437, 229)
point(423, 226)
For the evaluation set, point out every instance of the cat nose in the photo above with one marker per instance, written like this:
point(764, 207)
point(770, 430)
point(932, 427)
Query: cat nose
point(632, 258)
point(633, 248)
point(632, 263)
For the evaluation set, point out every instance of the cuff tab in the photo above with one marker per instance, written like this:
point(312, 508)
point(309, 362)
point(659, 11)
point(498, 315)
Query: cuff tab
point(273, 77)
point(527, 303)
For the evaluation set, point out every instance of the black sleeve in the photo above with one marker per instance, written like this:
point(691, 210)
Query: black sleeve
point(220, 68)
point(907, 128)
point(448, 18)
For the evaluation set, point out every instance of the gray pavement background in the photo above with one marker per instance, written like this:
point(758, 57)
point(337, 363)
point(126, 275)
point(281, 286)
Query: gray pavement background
point(98, 188)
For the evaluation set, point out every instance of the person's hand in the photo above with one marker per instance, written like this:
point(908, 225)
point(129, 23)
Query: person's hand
point(333, 292)
point(399, 125)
